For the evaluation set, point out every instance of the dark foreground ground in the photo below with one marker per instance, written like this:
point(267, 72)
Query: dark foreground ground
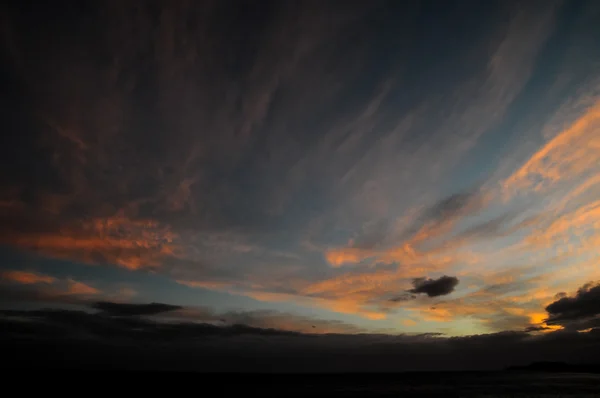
point(450, 384)
point(70, 367)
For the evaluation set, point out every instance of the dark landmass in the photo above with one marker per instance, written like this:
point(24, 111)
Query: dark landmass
point(156, 367)
point(560, 367)
point(410, 384)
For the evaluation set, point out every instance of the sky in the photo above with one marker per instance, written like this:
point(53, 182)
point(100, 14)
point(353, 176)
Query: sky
point(382, 168)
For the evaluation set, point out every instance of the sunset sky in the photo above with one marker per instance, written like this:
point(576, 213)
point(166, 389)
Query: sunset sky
point(381, 167)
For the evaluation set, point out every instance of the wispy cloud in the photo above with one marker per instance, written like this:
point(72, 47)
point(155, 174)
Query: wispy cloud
point(566, 157)
point(316, 159)
point(58, 291)
point(115, 240)
point(80, 288)
point(26, 278)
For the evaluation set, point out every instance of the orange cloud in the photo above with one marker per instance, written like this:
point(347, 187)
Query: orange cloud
point(351, 306)
point(339, 257)
point(412, 261)
point(80, 288)
point(26, 278)
point(118, 240)
point(353, 303)
point(569, 154)
point(351, 284)
point(211, 285)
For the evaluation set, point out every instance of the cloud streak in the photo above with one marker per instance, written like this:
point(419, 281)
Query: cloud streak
point(124, 309)
point(26, 278)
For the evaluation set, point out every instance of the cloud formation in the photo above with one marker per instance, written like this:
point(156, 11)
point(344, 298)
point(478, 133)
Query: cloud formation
point(126, 309)
point(579, 312)
point(325, 155)
point(434, 287)
point(34, 287)
point(25, 277)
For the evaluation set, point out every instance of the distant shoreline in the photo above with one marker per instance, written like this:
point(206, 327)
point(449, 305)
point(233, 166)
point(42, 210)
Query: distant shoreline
point(553, 367)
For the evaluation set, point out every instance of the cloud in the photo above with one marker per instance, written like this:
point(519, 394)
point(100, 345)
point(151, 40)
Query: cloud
point(579, 312)
point(433, 222)
point(26, 278)
point(536, 328)
point(125, 309)
point(76, 324)
point(215, 170)
point(118, 240)
point(115, 304)
point(339, 257)
point(80, 288)
point(59, 291)
point(566, 156)
point(434, 287)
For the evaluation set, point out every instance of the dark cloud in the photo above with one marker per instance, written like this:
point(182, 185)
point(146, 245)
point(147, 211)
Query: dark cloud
point(125, 309)
point(260, 319)
point(434, 287)
point(77, 324)
point(581, 311)
point(535, 329)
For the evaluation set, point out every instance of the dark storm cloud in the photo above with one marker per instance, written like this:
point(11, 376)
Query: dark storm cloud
point(581, 311)
point(126, 309)
point(434, 287)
